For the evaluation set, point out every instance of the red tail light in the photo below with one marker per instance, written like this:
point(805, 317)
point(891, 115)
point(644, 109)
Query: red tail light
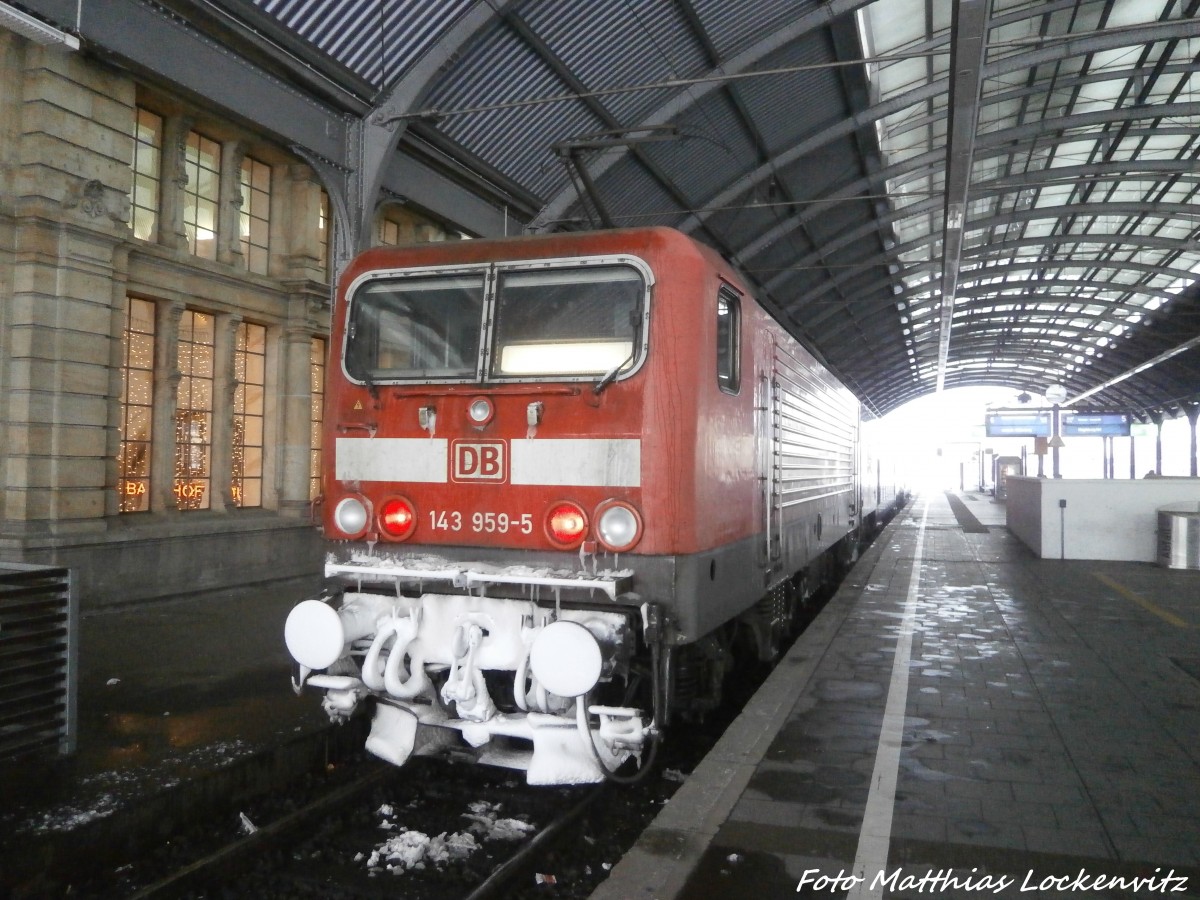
point(397, 518)
point(566, 524)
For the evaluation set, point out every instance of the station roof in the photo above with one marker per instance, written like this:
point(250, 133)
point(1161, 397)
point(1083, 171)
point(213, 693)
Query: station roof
point(927, 193)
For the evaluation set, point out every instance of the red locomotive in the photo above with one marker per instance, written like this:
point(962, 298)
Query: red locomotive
point(565, 474)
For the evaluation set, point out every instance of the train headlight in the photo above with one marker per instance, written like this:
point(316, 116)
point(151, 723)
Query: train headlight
point(566, 524)
point(480, 411)
point(314, 634)
point(351, 516)
point(397, 518)
point(618, 526)
point(565, 659)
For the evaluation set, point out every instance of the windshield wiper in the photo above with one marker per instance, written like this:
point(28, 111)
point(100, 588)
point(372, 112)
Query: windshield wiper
point(609, 377)
point(635, 320)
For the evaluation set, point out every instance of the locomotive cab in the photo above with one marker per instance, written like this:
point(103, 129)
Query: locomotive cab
point(485, 478)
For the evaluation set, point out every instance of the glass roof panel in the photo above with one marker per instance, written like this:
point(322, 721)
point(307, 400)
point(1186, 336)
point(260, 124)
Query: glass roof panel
point(1053, 195)
point(1132, 12)
point(1165, 145)
point(1040, 227)
point(904, 75)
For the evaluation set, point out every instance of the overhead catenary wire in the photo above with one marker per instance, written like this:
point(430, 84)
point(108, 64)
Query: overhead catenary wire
point(667, 84)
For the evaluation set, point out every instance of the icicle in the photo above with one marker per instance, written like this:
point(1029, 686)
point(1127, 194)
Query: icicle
point(584, 556)
point(533, 416)
point(427, 419)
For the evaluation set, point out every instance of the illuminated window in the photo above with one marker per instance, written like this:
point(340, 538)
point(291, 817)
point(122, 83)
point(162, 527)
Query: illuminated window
point(194, 411)
point(401, 226)
point(728, 331)
point(255, 216)
point(389, 232)
point(137, 407)
point(147, 174)
point(202, 159)
point(249, 369)
point(316, 369)
point(323, 234)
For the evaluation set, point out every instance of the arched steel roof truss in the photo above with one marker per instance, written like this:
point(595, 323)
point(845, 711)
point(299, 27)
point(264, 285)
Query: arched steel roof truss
point(929, 194)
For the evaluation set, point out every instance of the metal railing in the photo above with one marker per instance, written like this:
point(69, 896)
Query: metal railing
point(38, 660)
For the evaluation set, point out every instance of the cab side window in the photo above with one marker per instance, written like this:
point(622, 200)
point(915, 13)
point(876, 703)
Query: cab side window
point(729, 364)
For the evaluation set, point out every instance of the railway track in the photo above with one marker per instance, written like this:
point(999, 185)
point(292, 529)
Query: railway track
point(431, 830)
point(437, 829)
point(434, 829)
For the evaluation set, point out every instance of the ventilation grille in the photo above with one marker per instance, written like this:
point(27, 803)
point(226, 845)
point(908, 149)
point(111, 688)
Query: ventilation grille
point(37, 660)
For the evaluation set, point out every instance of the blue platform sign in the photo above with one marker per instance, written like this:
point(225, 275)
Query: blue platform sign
point(1094, 425)
point(1017, 423)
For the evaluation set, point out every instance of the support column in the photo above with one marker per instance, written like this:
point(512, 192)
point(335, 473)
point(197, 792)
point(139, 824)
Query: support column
point(171, 232)
point(118, 303)
point(166, 401)
point(304, 243)
point(1193, 413)
point(1157, 419)
point(66, 214)
point(1055, 443)
point(296, 437)
point(229, 213)
point(224, 386)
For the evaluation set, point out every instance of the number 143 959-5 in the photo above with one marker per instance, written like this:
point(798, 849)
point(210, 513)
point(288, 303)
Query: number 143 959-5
point(480, 522)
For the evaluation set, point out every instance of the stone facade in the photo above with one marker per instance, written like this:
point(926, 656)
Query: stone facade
point(69, 262)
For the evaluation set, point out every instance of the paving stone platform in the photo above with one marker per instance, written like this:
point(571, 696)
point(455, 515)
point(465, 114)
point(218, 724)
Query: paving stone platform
point(963, 719)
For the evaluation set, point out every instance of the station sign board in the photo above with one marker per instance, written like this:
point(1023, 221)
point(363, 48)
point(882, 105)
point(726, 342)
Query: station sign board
point(1074, 424)
point(1017, 423)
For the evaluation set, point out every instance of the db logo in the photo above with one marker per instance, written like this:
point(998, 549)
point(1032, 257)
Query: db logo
point(479, 461)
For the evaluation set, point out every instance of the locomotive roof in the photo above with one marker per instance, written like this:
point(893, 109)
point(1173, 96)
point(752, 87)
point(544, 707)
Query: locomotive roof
point(928, 193)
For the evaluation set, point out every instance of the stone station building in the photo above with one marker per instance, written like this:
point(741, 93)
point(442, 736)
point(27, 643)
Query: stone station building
point(164, 307)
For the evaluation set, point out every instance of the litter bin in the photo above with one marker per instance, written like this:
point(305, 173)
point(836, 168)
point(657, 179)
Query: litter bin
point(1179, 536)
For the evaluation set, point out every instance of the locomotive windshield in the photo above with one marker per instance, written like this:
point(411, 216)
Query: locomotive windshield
point(552, 321)
point(566, 321)
point(426, 327)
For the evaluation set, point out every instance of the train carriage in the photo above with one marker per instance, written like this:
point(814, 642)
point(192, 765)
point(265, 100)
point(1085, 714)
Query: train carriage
point(564, 473)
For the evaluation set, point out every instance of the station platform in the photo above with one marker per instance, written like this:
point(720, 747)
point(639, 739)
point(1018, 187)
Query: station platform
point(962, 719)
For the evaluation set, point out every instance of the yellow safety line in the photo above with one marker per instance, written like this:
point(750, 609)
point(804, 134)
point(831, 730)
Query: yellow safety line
point(1142, 601)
